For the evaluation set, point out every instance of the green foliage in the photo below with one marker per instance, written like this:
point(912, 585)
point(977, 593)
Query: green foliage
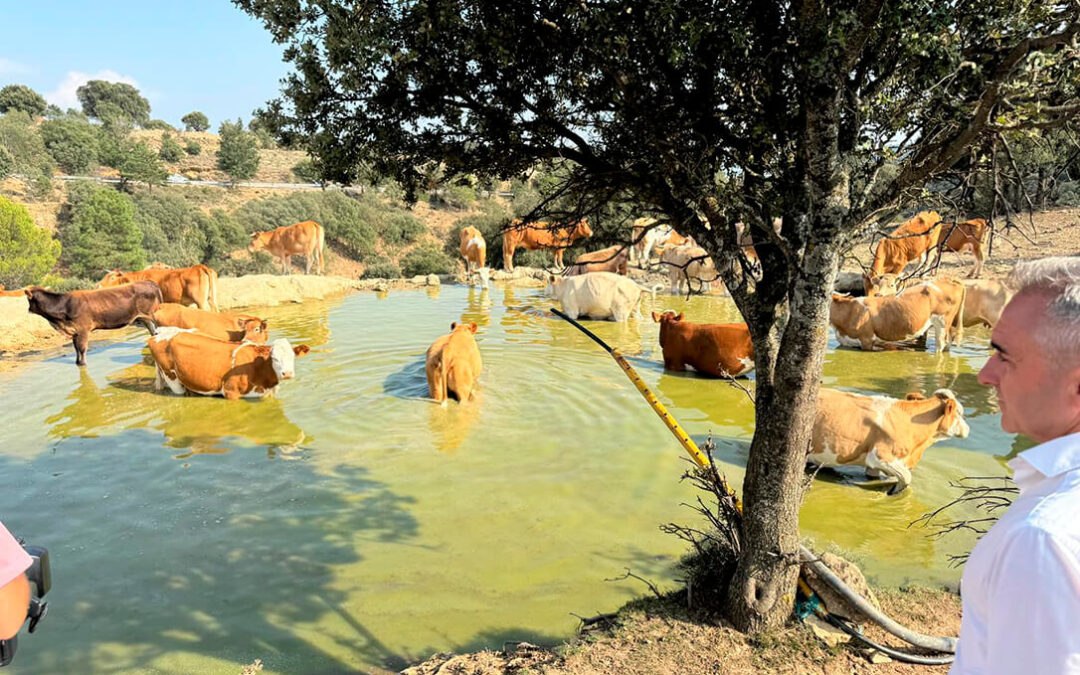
point(160, 125)
point(27, 252)
point(113, 100)
point(426, 259)
point(381, 268)
point(192, 148)
point(24, 145)
point(98, 232)
point(195, 121)
point(7, 164)
point(171, 231)
point(170, 150)
point(141, 164)
point(72, 143)
point(22, 98)
point(306, 171)
point(60, 284)
point(458, 197)
point(238, 155)
point(398, 228)
point(260, 262)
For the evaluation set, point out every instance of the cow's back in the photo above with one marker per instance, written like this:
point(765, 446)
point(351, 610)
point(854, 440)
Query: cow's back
point(845, 426)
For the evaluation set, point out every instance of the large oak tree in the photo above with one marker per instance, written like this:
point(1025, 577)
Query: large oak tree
point(826, 114)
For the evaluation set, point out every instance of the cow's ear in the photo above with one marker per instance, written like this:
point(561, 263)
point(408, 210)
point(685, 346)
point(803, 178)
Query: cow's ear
point(472, 326)
point(453, 325)
point(29, 293)
point(950, 406)
point(656, 317)
point(263, 325)
point(300, 350)
point(914, 396)
point(678, 317)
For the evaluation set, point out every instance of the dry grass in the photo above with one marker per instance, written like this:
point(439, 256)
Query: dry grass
point(275, 166)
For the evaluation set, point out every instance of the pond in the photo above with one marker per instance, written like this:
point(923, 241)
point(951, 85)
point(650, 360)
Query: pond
point(350, 524)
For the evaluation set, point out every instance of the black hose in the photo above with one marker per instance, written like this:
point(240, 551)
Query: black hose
point(889, 651)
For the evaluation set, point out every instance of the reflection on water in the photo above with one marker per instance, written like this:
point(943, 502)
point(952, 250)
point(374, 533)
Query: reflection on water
point(404, 527)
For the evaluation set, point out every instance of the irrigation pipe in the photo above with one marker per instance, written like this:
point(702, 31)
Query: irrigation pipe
point(938, 644)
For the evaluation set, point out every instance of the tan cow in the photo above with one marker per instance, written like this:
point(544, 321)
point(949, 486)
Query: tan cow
point(307, 239)
point(870, 321)
point(719, 349)
point(689, 262)
point(611, 259)
point(883, 434)
point(645, 235)
point(958, 237)
point(187, 361)
point(453, 364)
point(915, 240)
point(220, 325)
point(474, 251)
point(195, 285)
point(597, 295)
point(533, 236)
point(14, 293)
point(984, 301)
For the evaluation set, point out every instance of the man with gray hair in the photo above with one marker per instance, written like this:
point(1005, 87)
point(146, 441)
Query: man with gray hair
point(1021, 585)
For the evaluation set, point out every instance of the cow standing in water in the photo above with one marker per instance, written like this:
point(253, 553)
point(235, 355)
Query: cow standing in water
point(195, 285)
point(474, 251)
point(533, 236)
point(78, 313)
point(307, 239)
point(453, 364)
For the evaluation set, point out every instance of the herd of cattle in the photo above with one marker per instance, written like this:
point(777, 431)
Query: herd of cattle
point(205, 351)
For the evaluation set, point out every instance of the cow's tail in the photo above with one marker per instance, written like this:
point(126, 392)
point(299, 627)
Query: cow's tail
point(211, 287)
point(957, 328)
point(442, 393)
point(320, 246)
point(651, 289)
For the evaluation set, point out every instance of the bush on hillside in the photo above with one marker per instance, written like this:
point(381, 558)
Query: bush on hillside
point(141, 164)
point(195, 121)
point(171, 232)
point(381, 268)
point(7, 164)
point(192, 148)
point(22, 98)
point(72, 143)
point(458, 197)
point(238, 155)
point(305, 171)
point(426, 259)
point(98, 232)
point(113, 100)
point(23, 143)
point(160, 125)
point(170, 150)
point(60, 284)
point(27, 252)
point(400, 228)
point(223, 236)
point(260, 262)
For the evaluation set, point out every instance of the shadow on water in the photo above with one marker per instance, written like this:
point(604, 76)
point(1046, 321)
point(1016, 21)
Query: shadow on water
point(238, 580)
point(409, 381)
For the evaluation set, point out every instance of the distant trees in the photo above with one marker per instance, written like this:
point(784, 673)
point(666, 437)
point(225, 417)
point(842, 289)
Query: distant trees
point(26, 150)
point(72, 143)
point(195, 121)
point(27, 252)
point(99, 232)
point(106, 100)
point(170, 150)
point(159, 125)
point(21, 97)
point(238, 155)
point(192, 148)
point(141, 164)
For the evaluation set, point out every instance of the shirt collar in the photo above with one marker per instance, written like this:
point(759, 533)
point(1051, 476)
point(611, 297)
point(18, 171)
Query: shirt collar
point(1049, 459)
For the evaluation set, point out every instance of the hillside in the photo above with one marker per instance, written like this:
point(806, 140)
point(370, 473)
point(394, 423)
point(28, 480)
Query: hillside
point(275, 166)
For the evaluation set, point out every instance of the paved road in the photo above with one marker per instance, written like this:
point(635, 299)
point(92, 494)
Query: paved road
point(214, 183)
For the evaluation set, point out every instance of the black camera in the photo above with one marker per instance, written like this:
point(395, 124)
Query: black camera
point(40, 575)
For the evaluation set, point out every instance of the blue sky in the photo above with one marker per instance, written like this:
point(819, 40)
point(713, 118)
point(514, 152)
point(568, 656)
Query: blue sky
point(193, 55)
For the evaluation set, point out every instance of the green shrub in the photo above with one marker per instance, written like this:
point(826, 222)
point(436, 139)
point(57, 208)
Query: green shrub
point(27, 252)
point(381, 268)
point(1069, 194)
point(426, 259)
point(238, 155)
point(160, 125)
point(192, 148)
point(22, 98)
point(98, 232)
point(61, 284)
point(113, 100)
point(399, 228)
point(223, 236)
point(259, 263)
point(40, 185)
point(170, 150)
point(7, 164)
point(171, 232)
point(72, 143)
point(195, 121)
point(140, 164)
point(306, 172)
point(23, 143)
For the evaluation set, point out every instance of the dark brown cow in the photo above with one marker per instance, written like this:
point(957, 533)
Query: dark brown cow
point(532, 236)
point(77, 313)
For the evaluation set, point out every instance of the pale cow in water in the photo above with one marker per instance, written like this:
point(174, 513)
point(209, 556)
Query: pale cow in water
point(611, 259)
point(597, 295)
point(307, 239)
point(646, 234)
point(869, 322)
point(226, 326)
point(984, 301)
point(474, 251)
point(886, 435)
point(690, 266)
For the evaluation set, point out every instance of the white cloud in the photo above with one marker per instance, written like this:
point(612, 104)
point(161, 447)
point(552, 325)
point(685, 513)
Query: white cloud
point(9, 67)
point(64, 95)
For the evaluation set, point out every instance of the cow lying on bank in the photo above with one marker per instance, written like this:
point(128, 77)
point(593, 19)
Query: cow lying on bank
point(195, 285)
point(883, 434)
point(188, 361)
point(474, 251)
point(611, 259)
point(78, 313)
point(719, 349)
point(218, 325)
point(597, 295)
point(307, 239)
point(533, 236)
point(868, 322)
point(453, 364)
point(688, 265)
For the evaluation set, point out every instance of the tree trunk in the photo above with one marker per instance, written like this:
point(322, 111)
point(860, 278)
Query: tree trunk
point(788, 367)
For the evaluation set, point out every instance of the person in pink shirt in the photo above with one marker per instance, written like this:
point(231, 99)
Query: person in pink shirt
point(14, 586)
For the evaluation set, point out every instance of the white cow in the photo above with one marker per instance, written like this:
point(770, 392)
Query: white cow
point(645, 240)
point(598, 295)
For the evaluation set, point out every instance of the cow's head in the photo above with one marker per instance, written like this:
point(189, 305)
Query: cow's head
point(666, 318)
point(463, 327)
point(259, 240)
point(952, 422)
point(881, 285)
point(283, 359)
point(553, 283)
point(582, 229)
point(254, 330)
point(113, 278)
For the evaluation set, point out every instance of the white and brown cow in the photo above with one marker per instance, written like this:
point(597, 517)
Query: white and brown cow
point(645, 235)
point(689, 265)
point(886, 435)
point(718, 349)
point(597, 295)
point(984, 301)
point(474, 252)
point(189, 362)
point(870, 321)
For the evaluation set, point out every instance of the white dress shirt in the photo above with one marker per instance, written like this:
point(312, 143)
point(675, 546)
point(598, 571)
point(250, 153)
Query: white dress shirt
point(1021, 585)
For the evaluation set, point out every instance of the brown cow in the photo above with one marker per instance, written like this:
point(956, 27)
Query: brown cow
point(219, 325)
point(78, 313)
point(719, 349)
point(453, 364)
point(188, 361)
point(915, 240)
point(533, 236)
point(611, 259)
point(966, 235)
point(474, 251)
point(868, 322)
point(885, 435)
point(307, 239)
point(195, 285)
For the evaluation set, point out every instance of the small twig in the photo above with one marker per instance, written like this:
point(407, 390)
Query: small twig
point(587, 621)
point(631, 575)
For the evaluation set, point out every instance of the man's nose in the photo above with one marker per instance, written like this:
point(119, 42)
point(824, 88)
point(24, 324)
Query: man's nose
point(988, 374)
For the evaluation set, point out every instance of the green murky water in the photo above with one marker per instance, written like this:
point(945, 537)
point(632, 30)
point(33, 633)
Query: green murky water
point(349, 523)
